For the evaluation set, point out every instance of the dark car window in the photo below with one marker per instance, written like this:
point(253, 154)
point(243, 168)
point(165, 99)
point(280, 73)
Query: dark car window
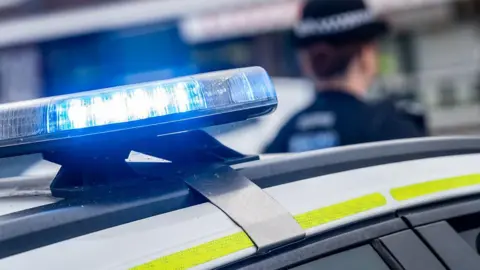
point(360, 258)
point(468, 227)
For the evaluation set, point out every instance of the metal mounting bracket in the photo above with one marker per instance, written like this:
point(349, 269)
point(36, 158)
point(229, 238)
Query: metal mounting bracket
point(266, 222)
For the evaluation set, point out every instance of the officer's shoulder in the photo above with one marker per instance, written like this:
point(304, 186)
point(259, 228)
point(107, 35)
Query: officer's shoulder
point(392, 123)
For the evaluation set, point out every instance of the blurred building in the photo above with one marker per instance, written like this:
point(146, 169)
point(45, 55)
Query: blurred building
point(441, 64)
point(51, 47)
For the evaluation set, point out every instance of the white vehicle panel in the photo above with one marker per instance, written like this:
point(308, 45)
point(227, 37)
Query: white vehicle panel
point(338, 187)
point(145, 240)
point(125, 246)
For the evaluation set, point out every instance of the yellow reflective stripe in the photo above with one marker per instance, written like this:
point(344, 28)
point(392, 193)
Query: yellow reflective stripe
point(239, 241)
point(236, 242)
point(430, 187)
point(341, 210)
point(200, 254)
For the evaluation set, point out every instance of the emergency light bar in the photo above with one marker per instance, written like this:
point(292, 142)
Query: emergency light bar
point(209, 99)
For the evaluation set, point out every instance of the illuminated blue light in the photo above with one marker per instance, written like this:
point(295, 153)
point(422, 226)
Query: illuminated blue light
point(124, 106)
point(182, 98)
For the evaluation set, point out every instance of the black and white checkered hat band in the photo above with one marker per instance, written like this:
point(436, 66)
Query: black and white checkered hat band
point(333, 24)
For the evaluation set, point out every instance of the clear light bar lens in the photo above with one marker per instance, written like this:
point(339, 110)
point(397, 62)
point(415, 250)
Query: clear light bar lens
point(189, 97)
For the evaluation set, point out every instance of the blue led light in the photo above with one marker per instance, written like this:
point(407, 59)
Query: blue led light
point(122, 106)
point(185, 98)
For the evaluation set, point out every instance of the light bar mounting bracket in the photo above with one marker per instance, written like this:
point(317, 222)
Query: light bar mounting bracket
point(194, 157)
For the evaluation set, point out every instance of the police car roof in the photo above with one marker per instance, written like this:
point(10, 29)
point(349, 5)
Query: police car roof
point(182, 199)
point(324, 191)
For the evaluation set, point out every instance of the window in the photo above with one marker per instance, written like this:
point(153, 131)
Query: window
point(360, 258)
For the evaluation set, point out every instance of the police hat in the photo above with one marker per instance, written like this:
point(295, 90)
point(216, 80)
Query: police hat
point(337, 22)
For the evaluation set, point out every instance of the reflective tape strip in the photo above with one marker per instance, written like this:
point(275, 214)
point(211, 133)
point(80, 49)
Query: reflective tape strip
point(430, 187)
point(200, 254)
point(341, 210)
point(236, 242)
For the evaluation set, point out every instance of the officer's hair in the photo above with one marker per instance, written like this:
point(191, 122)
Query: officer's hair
point(329, 61)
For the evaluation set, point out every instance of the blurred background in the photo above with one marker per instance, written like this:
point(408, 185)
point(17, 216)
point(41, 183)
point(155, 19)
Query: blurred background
point(52, 47)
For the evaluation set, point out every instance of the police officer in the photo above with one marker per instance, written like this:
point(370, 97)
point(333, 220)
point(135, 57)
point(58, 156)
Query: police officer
point(336, 41)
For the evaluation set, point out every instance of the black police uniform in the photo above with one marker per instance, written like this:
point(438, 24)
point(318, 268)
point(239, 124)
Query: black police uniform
point(337, 118)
